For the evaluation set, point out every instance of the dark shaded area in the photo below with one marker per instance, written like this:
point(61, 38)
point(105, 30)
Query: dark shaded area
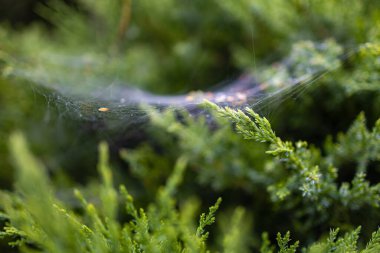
point(19, 13)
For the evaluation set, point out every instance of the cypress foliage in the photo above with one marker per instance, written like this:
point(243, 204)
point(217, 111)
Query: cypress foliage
point(297, 166)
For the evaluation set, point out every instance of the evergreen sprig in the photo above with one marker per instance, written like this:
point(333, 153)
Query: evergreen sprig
point(207, 220)
point(283, 243)
point(314, 180)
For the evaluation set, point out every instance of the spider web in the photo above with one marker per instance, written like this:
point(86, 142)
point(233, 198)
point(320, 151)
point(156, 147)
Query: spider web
point(83, 88)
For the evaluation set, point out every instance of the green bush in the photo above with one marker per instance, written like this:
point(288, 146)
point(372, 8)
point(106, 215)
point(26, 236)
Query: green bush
point(37, 220)
point(301, 156)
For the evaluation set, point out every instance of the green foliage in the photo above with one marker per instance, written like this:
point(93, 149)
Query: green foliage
point(207, 220)
point(298, 179)
point(313, 180)
point(357, 144)
point(153, 45)
point(235, 229)
point(37, 219)
point(319, 75)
